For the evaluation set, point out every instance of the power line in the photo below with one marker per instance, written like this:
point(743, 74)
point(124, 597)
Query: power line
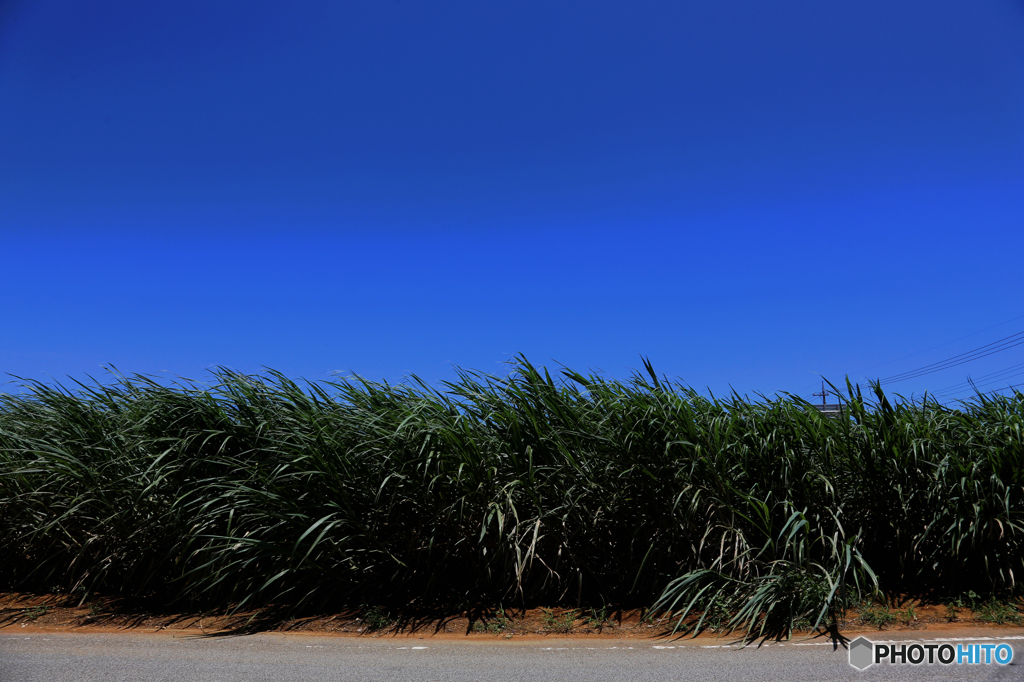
point(1000, 324)
point(1012, 339)
point(1007, 388)
point(984, 377)
point(954, 364)
point(976, 387)
point(900, 377)
point(1004, 378)
point(975, 354)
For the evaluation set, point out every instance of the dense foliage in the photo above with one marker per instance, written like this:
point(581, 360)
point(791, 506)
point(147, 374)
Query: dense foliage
point(518, 489)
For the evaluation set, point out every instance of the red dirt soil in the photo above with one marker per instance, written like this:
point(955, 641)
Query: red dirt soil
point(53, 613)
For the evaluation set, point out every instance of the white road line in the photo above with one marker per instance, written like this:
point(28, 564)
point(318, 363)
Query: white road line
point(662, 647)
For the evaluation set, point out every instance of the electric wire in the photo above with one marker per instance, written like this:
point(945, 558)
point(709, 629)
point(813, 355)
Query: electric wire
point(976, 387)
point(969, 356)
point(889, 362)
point(982, 380)
point(900, 377)
point(1012, 387)
point(1007, 341)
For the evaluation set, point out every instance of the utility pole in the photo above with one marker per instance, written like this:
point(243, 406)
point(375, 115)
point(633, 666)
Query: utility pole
point(823, 393)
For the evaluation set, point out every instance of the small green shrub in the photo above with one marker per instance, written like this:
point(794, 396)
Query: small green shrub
point(878, 616)
point(376, 618)
point(495, 625)
point(563, 623)
point(598, 618)
point(37, 611)
point(998, 612)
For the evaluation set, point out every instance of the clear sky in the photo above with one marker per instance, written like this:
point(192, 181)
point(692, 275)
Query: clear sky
point(751, 194)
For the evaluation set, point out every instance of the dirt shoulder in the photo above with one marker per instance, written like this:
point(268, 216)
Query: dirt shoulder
point(24, 613)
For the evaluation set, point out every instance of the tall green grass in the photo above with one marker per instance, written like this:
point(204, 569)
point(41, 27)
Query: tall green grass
point(529, 488)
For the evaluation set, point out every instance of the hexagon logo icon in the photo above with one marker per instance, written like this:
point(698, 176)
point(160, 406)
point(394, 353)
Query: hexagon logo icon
point(862, 653)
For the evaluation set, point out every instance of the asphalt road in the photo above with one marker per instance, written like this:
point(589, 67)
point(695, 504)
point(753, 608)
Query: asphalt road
point(81, 657)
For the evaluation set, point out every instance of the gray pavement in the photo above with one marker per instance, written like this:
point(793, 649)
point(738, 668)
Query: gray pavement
point(92, 657)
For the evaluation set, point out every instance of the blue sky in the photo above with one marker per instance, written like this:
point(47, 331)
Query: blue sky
point(750, 194)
